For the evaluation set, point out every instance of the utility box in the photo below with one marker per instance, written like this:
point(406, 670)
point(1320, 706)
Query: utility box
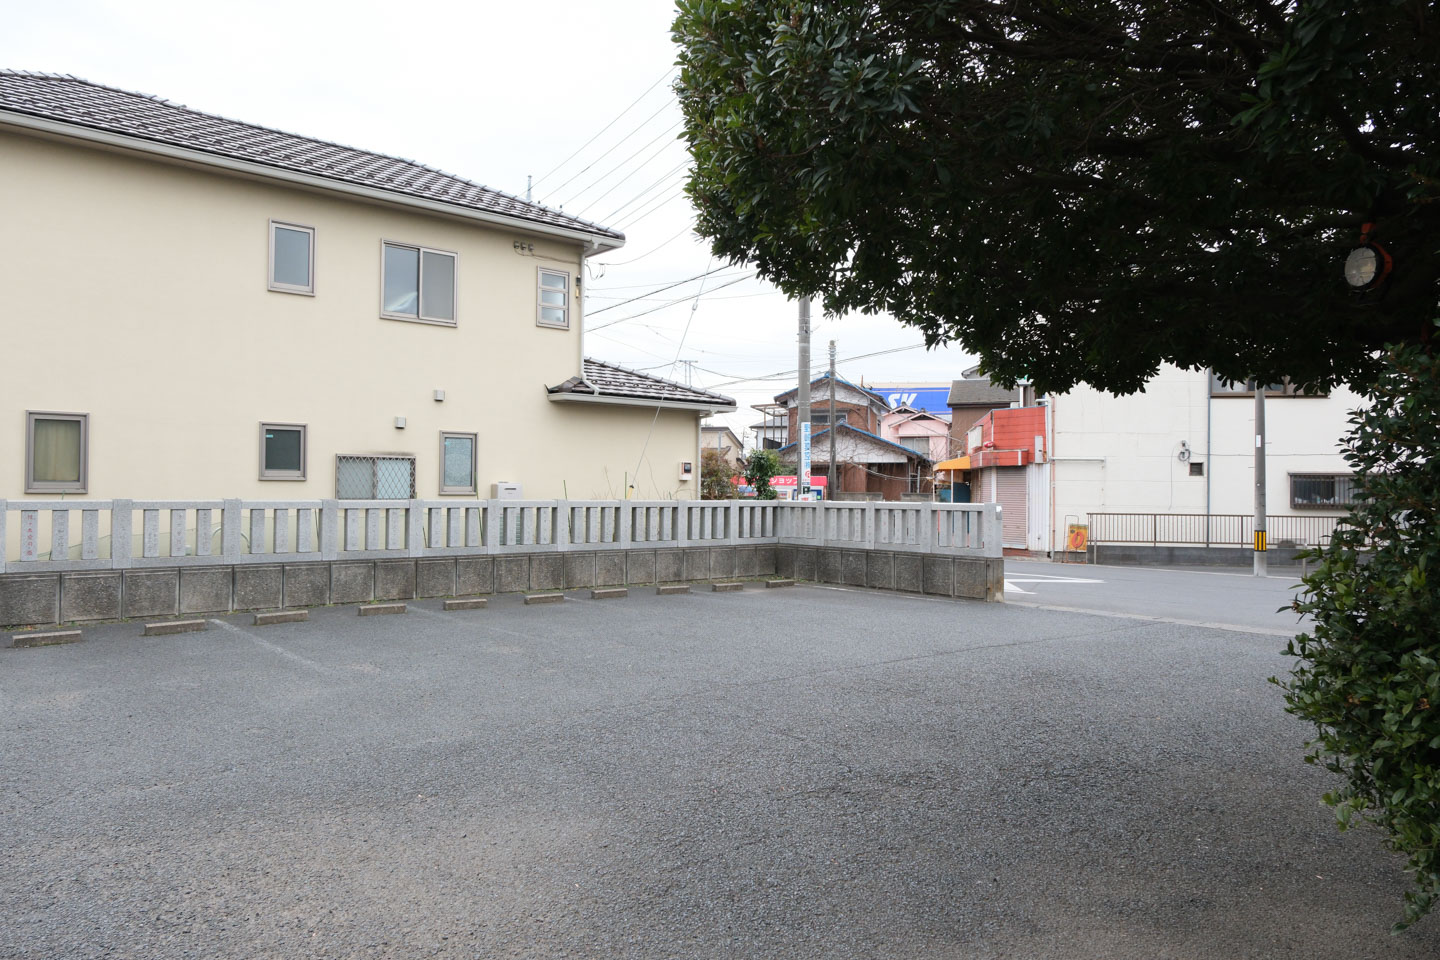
point(687, 469)
point(506, 491)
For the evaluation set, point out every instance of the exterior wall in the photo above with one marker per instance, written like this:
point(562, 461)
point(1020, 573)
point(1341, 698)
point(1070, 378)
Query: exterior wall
point(895, 426)
point(146, 306)
point(856, 415)
point(962, 419)
point(1121, 454)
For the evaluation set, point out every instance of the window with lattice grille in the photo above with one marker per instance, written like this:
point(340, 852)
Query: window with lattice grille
point(383, 477)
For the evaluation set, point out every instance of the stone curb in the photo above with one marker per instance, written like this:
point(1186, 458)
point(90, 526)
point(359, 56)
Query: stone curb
point(467, 603)
point(166, 627)
point(281, 616)
point(779, 583)
point(47, 639)
point(671, 589)
point(726, 587)
point(544, 598)
point(609, 593)
point(380, 609)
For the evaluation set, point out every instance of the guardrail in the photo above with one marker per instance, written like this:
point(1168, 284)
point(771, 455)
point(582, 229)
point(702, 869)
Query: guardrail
point(37, 534)
point(1202, 530)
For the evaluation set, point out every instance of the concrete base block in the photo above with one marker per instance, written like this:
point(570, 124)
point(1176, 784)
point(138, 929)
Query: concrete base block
point(167, 627)
point(641, 566)
point(381, 609)
point(96, 596)
point(281, 616)
point(475, 575)
point(156, 593)
point(785, 561)
point(852, 568)
point(307, 585)
point(910, 572)
point(544, 598)
point(779, 583)
point(696, 564)
point(435, 578)
point(512, 574)
point(208, 589)
point(547, 572)
point(976, 579)
point(609, 593)
point(880, 570)
point(722, 562)
point(669, 565)
point(764, 562)
point(467, 603)
point(47, 638)
point(807, 563)
point(940, 576)
point(29, 600)
point(352, 582)
point(580, 570)
point(830, 569)
point(745, 561)
point(610, 569)
point(671, 589)
point(256, 588)
point(394, 579)
point(726, 587)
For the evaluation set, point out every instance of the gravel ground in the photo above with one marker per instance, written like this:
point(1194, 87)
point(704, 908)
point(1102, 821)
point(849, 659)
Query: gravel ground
point(774, 773)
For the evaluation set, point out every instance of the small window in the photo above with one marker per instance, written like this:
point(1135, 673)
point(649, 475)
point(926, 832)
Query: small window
point(1242, 388)
point(282, 451)
point(457, 463)
point(1320, 490)
point(57, 452)
point(1197, 469)
point(417, 284)
point(554, 299)
point(384, 477)
point(292, 258)
point(823, 419)
point(920, 445)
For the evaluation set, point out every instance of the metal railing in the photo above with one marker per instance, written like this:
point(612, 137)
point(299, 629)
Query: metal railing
point(1202, 530)
point(36, 535)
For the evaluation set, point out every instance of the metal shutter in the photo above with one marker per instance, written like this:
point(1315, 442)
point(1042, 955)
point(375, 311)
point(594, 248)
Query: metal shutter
point(1010, 494)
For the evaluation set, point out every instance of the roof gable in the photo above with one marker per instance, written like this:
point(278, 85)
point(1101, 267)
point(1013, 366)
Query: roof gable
point(145, 119)
point(863, 436)
point(602, 379)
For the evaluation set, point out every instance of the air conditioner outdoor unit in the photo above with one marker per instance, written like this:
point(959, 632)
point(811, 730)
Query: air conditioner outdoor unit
point(506, 491)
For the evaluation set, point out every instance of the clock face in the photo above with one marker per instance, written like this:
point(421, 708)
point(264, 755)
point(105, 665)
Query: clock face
point(1361, 267)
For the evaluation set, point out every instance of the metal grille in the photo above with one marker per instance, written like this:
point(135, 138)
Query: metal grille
point(374, 478)
point(1321, 490)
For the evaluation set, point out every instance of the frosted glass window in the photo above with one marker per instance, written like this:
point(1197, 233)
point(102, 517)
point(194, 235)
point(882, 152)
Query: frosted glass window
point(553, 301)
point(282, 451)
point(57, 455)
point(402, 281)
point(437, 286)
point(292, 258)
point(457, 457)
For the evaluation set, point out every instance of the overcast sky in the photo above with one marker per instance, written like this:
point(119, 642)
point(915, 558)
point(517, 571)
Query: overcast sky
point(492, 92)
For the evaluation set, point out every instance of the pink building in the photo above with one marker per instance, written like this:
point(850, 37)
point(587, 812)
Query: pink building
point(924, 433)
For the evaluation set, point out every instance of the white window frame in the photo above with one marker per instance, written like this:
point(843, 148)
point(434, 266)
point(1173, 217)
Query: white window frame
point(291, 287)
point(268, 474)
point(419, 316)
point(474, 463)
point(539, 306)
point(53, 486)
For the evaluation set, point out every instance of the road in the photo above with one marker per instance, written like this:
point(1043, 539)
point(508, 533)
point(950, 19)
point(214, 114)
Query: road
point(1229, 598)
point(801, 773)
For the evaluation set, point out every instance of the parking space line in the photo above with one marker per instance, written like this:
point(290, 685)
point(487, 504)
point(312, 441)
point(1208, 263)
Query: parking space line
point(273, 648)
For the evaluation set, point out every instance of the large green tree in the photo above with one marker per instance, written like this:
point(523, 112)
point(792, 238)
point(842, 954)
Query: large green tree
point(1080, 190)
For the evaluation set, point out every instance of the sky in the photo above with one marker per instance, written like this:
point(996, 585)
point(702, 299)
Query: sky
point(572, 93)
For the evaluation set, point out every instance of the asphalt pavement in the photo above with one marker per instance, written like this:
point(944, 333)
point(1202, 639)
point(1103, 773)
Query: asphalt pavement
point(809, 772)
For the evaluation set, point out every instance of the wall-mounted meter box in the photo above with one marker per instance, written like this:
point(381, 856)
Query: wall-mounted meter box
point(687, 469)
point(506, 491)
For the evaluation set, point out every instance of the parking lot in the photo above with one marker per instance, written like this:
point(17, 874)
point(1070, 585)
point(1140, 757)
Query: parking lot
point(805, 772)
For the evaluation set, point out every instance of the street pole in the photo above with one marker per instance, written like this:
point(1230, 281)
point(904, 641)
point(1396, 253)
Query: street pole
point(802, 397)
point(1261, 559)
point(831, 472)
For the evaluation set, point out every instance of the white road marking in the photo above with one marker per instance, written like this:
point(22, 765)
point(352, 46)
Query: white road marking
point(1010, 582)
point(311, 664)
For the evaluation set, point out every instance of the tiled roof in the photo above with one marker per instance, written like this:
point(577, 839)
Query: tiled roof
point(815, 441)
point(70, 100)
point(967, 392)
point(840, 380)
point(608, 380)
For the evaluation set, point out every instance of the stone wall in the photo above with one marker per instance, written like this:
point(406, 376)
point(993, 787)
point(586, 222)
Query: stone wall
point(35, 599)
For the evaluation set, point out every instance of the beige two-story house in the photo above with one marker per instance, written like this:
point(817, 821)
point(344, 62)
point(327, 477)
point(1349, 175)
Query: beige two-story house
point(201, 308)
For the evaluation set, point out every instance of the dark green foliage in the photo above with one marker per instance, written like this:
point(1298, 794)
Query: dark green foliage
point(1369, 670)
point(1079, 191)
point(760, 466)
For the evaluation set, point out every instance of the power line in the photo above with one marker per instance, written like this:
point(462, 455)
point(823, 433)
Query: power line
point(648, 190)
point(601, 179)
point(668, 286)
point(783, 374)
point(663, 78)
point(670, 304)
point(652, 208)
point(663, 244)
point(610, 151)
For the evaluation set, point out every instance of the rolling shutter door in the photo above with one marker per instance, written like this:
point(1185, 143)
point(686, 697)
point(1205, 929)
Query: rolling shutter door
point(1010, 494)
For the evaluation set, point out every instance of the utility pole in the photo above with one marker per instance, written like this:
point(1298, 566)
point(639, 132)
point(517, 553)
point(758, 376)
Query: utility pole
point(1261, 559)
point(830, 492)
point(527, 188)
point(802, 398)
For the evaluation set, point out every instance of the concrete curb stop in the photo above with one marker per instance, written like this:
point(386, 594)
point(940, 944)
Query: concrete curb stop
point(609, 593)
point(380, 609)
point(281, 616)
point(163, 628)
point(670, 589)
point(47, 639)
point(779, 583)
point(726, 587)
point(544, 598)
point(467, 603)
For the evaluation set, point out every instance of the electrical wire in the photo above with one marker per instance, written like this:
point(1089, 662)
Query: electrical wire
point(656, 208)
point(649, 191)
point(607, 153)
point(668, 73)
point(665, 305)
point(663, 244)
point(698, 276)
point(646, 162)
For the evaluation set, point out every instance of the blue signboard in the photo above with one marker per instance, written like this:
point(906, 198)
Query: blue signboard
point(804, 455)
point(927, 399)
